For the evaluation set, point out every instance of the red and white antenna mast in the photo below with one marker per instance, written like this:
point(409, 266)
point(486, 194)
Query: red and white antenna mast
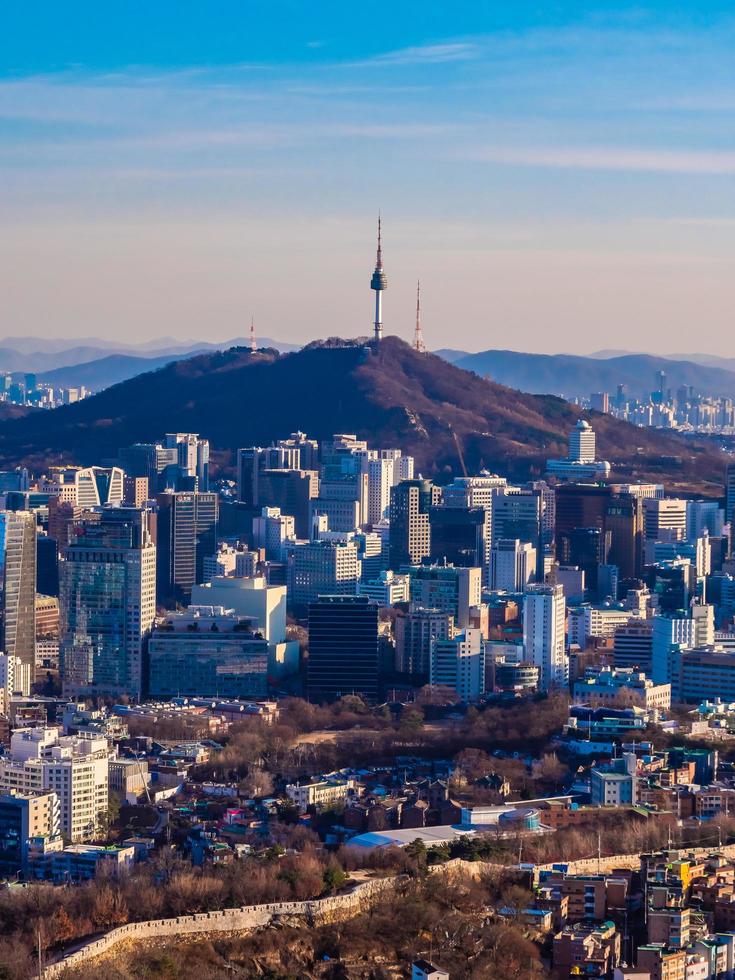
point(418, 337)
point(253, 344)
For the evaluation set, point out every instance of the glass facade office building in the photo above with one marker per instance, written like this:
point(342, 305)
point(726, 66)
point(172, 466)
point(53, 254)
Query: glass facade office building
point(18, 583)
point(107, 602)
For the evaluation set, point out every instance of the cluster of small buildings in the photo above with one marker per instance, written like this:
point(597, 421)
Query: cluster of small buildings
point(668, 919)
point(59, 780)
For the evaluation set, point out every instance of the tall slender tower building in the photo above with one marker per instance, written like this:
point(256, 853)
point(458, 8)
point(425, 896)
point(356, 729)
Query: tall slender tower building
point(379, 282)
point(418, 337)
point(107, 601)
point(253, 343)
point(18, 585)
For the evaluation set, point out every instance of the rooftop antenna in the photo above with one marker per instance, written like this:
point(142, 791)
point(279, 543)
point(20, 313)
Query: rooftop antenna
point(418, 337)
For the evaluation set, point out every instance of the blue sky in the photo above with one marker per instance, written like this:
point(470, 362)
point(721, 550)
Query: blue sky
point(560, 176)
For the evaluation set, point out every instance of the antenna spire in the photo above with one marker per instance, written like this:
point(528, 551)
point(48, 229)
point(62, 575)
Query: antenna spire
point(253, 344)
point(418, 337)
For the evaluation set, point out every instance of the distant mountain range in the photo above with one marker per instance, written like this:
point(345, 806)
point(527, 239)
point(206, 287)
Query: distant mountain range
point(40, 355)
point(98, 363)
point(390, 395)
point(714, 360)
point(106, 371)
point(571, 375)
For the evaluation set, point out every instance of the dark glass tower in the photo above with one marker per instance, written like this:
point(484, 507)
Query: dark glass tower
point(343, 648)
point(187, 533)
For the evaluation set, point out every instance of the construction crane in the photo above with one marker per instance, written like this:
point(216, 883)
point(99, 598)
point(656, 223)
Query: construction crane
point(142, 776)
point(459, 448)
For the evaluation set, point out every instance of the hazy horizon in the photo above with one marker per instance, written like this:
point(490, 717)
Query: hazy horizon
point(152, 345)
point(559, 181)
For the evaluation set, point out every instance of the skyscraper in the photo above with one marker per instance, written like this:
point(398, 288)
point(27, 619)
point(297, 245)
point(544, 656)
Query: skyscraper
point(107, 601)
point(580, 462)
point(582, 443)
point(18, 583)
point(580, 505)
point(624, 522)
point(187, 533)
point(459, 536)
point(410, 530)
point(664, 519)
point(193, 459)
point(448, 588)
point(512, 565)
point(322, 568)
point(414, 632)
point(730, 502)
point(543, 634)
point(458, 663)
point(587, 548)
point(343, 647)
point(517, 513)
point(379, 282)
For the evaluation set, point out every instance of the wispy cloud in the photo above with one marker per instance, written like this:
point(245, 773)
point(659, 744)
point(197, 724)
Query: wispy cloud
point(710, 163)
point(427, 54)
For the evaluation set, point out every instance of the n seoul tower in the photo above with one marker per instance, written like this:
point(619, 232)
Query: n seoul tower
point(379, 282)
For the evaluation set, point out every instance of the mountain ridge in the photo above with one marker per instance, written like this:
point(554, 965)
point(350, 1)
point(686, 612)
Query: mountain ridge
point(35, 358)
point(576, 375)
point(387, 393)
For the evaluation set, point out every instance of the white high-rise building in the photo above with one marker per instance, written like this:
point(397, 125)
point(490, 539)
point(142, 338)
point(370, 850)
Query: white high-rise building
point(265, 604)
point(664, 519)
point(582, 443)
point(193, 456)
point(543, 634)
point(16, 677)
point(387, 589)
point(669, 633)
point(247, 597)
point(75, 767)
point(587, 622)
point(403, 466)
point(580, 462)
point(272, 530)
point(380, 480)
point(222, 562)
point(90, 486)
point(459, 663)
point(467, 492)
point(512, 565)
point(703, 616)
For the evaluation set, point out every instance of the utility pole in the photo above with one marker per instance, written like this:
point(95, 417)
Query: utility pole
point(599, 849)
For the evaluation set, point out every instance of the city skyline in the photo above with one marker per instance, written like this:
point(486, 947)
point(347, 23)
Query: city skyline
point(559, 181)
